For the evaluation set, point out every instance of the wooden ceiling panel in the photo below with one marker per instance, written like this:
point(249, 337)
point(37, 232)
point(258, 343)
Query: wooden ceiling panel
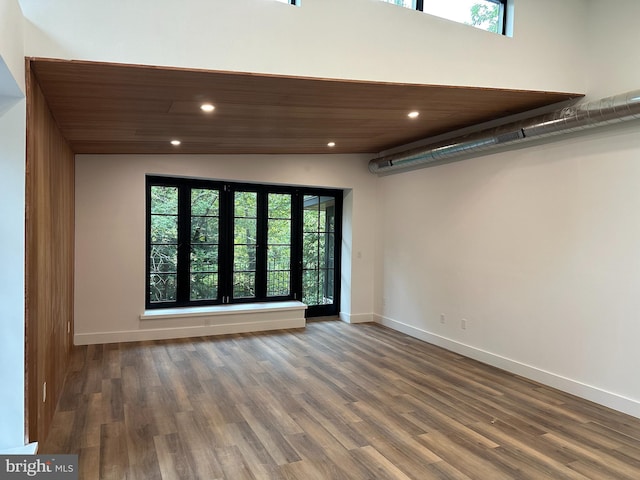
point(114, 108)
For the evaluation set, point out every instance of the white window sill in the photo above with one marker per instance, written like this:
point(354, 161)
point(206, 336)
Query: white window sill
point(213, 310)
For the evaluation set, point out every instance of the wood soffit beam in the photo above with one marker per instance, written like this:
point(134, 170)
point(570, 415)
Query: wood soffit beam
point(107, 108)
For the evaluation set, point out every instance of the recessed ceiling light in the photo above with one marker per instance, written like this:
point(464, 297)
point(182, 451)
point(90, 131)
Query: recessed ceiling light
point(331, 144)
point(413, 114)
point(207, 107)
point(175, 143)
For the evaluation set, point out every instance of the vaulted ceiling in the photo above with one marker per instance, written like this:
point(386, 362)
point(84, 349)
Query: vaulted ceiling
point(115, 108)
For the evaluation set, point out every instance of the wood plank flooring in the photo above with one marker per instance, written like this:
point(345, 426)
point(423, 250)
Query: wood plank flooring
point(332, 401)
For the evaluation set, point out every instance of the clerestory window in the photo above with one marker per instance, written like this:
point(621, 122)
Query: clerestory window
point(487, 15)
point(212, 242)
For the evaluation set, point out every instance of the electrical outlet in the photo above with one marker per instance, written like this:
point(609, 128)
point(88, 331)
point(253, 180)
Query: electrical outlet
point(442, 318)
point(44, 392)
point(463, 324)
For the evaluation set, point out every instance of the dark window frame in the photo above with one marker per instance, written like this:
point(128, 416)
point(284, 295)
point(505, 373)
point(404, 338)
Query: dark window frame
point(226, 242)
point(332, 309)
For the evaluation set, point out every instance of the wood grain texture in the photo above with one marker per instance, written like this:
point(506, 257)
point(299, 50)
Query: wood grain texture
point(49, 260)
point(332, 401)
point(116, 108)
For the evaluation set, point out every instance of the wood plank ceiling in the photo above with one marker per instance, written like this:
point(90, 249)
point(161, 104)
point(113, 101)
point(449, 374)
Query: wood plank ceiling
point(116, 108)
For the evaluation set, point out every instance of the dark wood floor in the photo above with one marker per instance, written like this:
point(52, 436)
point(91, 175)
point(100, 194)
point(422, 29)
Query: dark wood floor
point(332, 401)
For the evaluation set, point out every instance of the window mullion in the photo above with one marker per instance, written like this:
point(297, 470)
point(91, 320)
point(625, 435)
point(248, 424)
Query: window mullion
point(261, 250)
point(296, 246)
point(502, 23)
point(184, 244)
point(226, 243)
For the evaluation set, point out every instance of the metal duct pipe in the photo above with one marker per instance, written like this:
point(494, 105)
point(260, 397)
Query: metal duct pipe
point(619, 108)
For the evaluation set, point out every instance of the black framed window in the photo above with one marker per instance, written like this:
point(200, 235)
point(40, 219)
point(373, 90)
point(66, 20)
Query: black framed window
point(487, 15)
point(279, 244)
point(212, 242)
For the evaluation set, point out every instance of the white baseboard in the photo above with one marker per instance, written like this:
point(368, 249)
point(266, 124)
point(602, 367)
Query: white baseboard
point(186, 332)
point(588, 392)
point(356, 318)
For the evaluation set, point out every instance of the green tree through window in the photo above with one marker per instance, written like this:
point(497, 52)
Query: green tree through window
point(163, 243)
point(486, 16)
point(279, 244)
point(205, 224)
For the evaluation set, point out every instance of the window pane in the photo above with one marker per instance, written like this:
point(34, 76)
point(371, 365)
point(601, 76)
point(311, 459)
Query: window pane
point(327, 286)
point(327, 214)
point(279, 257)
point(278, 270)
point(310, 291)
point(244, 258)
point(322, 252)
point(204, 258)
point(487, 16)
point(310, 250)
point(245, 231)
point(245, 238)
point(164, 258)
point(279, 205)
point(244, 285)
point(310, 213)
point(204, 202)
point(279, 245)
point(162, 287)
point(204, 230)
point(483, 14)
point(164, 229)
point(164, 200)
point(330, 249)
point(403, 3)
point(278, 283)
point(245, 204)
point(318, 286)
point(279, 232)
point(204, 286)
point(205, 208)
point(318, 250)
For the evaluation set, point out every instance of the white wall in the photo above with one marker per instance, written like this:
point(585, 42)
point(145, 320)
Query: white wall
point(12, 195)
point(355, 39)
point(110, 225)
point(12, 43)
point(614, 65)
point(538, 248)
